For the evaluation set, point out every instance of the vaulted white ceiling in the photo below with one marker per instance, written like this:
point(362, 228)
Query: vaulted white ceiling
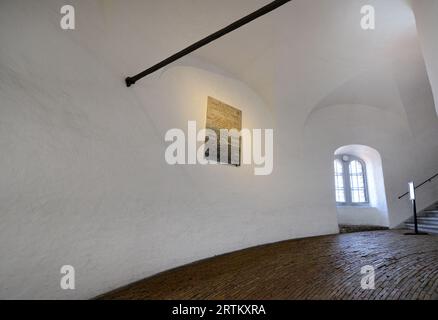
point(319, 48)
point(306, 53)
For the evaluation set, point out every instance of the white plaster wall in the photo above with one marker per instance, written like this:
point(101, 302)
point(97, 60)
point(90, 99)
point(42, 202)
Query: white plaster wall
point(84, 181)
point(83, 177)
point(426, 12)
point(361, 216)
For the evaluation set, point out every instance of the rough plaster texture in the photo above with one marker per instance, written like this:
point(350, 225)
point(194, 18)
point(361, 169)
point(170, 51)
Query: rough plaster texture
point(83, 176)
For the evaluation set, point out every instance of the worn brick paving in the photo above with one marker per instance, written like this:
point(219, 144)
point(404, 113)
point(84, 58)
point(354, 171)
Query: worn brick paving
point(325, 267)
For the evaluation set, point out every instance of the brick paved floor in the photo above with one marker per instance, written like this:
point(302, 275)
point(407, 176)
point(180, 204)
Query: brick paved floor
point(326, 267)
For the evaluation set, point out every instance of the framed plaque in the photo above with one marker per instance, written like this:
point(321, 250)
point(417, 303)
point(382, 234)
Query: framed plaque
point(225, 121)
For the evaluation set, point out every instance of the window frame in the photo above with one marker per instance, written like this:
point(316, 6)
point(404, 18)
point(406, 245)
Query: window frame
point(347, 182)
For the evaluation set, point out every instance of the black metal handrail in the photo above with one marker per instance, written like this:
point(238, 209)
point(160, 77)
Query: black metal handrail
point(235, 25)
point(420, 185)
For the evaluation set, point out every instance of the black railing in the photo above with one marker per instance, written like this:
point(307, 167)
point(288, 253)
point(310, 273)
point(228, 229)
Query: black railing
point(235, 25)
point(411, 192)
point(420, 185)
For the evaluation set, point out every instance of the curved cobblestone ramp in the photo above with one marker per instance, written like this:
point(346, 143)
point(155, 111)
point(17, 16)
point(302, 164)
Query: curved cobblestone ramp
point(328, 267)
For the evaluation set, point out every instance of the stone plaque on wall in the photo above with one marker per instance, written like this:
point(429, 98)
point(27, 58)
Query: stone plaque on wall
point(223, 116)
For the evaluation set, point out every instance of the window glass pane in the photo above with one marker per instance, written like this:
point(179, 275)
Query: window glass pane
point(354, 197)
point(353, 182)
point(361, 196)
point(357, 182)
point(339, 182)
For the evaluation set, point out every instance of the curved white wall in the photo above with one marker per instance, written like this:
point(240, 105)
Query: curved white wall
point(84, 181)
point(426, 12)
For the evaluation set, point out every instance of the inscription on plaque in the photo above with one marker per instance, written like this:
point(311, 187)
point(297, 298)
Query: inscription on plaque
point(221, 116)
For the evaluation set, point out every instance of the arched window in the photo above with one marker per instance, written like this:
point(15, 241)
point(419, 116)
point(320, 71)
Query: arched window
point(350, 181)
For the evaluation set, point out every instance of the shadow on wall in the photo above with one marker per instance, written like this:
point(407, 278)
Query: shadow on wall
point(375, 211)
